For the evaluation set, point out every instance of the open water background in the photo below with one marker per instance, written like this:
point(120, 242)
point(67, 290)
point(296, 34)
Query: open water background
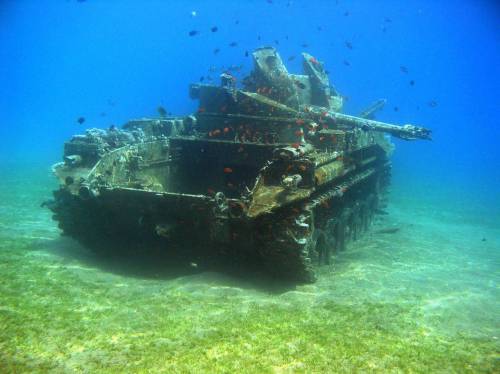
point(423, 299)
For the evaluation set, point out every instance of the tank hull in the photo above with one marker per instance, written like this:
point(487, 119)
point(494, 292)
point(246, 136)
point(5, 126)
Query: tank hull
point(289, 241)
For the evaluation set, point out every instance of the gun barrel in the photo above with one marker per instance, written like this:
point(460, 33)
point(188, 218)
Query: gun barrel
point(407, 132)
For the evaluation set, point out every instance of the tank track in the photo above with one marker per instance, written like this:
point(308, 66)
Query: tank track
point(300, 238)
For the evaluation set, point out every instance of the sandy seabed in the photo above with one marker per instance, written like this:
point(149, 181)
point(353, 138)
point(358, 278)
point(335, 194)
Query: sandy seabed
point(422, 299)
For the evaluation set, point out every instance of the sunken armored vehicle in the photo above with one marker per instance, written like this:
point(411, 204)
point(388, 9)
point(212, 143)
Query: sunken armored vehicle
point(271, 176)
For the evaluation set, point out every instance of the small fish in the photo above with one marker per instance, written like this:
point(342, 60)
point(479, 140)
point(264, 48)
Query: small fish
point(432, 103)
point(387, 20)
point(348, 44)
point(80, 120)
point(269, 1)
point(161, 111)
point(233, 44)
point(403, 69)
point(291, 58)
point(258, 37)
point(319, 28)
point(228, 170)
point(193, 32)
point(214, 29)
point(396, 109)
point(305, 45)
point(277, 42)
point(346, 13)
point(412, 82)
point(237, 22)
point(216, 50)
point(202, 78)
point(103, 114)
point(346, 63)
point(111, 102)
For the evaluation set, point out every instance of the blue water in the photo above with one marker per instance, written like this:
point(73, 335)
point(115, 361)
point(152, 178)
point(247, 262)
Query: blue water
point(110, 61)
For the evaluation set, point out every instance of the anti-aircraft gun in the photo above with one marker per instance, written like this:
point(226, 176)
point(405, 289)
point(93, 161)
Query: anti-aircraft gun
point(271, 176)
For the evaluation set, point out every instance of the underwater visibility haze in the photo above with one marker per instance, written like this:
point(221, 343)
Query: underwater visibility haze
point(416, 292)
